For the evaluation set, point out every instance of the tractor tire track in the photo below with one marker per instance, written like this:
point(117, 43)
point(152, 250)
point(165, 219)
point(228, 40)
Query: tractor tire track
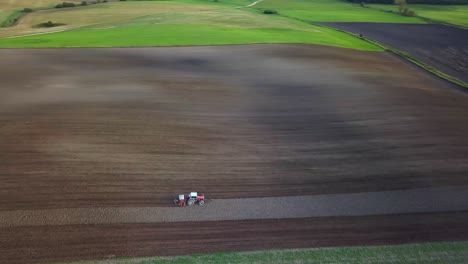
point(443, 199)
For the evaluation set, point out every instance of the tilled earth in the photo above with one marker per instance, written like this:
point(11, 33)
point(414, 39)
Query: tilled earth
point(74, 242)
point(100, 128)
point(442, 47)
point(134, 127)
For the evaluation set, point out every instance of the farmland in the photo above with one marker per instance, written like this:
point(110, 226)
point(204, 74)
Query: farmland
point(453, 14)
point(443, 47)
point(95, 129)
point(167, 24)
point(71, 242)
point(300, 135)
point(333, 11)
point(9, 7)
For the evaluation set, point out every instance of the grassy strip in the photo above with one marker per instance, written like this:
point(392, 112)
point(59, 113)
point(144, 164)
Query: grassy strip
point(400, 53)
point(432, 21)
point(17, 15)
point(444, 252)
point(333, 11)
point(13, 18)
point(426, 19)
point(409, 58)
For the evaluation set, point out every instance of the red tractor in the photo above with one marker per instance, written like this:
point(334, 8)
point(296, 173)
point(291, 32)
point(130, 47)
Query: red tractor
point(192, 198)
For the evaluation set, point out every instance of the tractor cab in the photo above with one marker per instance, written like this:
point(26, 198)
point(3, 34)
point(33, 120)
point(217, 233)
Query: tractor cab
point(195, 198)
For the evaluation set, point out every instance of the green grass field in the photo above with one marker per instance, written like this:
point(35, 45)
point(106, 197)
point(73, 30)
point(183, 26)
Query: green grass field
point(190, 22)
point(456, 252)
point(453, 14)
point(183, 35)
point(168, 23)
point(332, 11)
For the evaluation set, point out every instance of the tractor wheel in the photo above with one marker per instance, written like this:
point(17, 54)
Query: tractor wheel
point(190, 202)
point(201, 202)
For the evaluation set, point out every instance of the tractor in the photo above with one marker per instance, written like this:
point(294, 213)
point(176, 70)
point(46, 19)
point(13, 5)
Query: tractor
point(192, 198)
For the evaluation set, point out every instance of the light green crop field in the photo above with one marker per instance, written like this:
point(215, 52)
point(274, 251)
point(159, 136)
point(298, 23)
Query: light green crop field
point(168, 23)
point(456, 252)
point(453, 14)
point(183, 35)
point(332, 11)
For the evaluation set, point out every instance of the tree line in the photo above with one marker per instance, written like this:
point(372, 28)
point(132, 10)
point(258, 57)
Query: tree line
point(427, 2)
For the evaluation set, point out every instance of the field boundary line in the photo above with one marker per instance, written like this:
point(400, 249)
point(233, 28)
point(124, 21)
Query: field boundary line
point(35, 34)
point(405, 56)
point(16, 15)
point(397, 52)
point(422, 252)
point(19, 14)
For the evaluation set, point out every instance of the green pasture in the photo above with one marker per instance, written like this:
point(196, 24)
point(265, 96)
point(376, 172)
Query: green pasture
point(429, 253)
point(332, 11)
point(453, 14)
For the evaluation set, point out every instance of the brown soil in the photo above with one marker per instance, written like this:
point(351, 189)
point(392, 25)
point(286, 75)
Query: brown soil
point(442, 199)
point(58, 243)
point(134, 127)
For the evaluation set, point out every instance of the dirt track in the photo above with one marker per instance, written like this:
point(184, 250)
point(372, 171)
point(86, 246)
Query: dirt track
point(58, 243)
point(442, 47)
point(445, 199)
point(134, 127)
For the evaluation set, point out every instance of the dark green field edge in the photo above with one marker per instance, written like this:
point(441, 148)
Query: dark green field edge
point(439, 252)
point(406, 56)
point(13, 18)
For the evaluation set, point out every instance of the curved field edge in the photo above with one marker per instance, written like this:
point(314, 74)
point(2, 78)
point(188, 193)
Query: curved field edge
point(185, 35)
point(10, 9)
point(407, 57)
point(11, 19)
point(440, 252)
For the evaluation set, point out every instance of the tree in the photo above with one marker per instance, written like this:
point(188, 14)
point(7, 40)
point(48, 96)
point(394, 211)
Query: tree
point(402, 5)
